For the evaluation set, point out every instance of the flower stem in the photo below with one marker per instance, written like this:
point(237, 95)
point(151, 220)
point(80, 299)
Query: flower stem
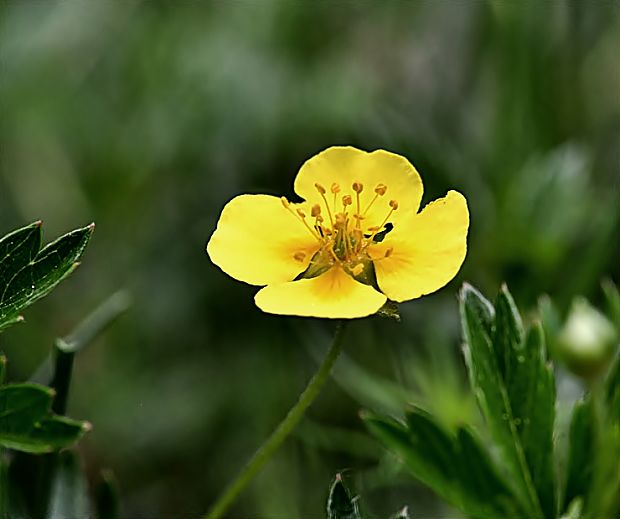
point(264, 453)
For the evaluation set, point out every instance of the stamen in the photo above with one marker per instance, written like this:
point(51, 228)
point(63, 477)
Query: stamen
point(358, 187)
point(379, 191)
point(357, 270)
point(321, 190)
point(358, 236)
point(335, 189)
point(299, 256)
point(347, 200)
point(393, 205)
point(302, 217)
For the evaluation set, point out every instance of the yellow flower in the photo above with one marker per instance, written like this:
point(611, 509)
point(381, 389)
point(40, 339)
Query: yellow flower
point(356, 241)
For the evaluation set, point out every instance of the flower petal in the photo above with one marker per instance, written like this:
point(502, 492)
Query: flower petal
point(256, 239)
point(345, 165)
point(427, 251)
point(334, 295)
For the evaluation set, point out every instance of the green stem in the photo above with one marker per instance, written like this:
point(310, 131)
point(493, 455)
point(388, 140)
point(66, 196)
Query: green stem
point(264, 453)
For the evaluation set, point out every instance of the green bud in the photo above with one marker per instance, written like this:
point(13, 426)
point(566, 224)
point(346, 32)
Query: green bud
point(587, 340)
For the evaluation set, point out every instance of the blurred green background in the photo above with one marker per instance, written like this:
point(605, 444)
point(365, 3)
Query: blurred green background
point(148, 116)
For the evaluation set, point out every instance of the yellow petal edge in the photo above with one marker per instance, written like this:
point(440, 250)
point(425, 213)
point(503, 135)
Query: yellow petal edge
point(333, 295)
point(256, 240)
point(428, 250)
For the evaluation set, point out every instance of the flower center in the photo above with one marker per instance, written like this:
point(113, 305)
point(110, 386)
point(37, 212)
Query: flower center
point(344, 237)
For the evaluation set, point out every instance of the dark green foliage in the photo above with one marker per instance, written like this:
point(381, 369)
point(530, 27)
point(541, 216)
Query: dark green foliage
point(341, 505)
point(612, 389)
point(515, 388)
point(28, 273)
point(456, 466)
point(26, 423)
point(612, 297)
point(149, 116)
point(581, 457)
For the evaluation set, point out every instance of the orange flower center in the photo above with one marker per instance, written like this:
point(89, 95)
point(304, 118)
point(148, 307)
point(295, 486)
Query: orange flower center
point(344, 238)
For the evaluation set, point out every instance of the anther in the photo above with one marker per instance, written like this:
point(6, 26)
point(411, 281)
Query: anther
point(335, 188)
point(359, 216)
point(347, 200)
point(320, 188)
point(299, 256)
point(319, 219)
point(393, 205)
point(381, 189)
point(285, 202)
point(358, 187)
point(315, 211)
point(301, 213)
point(357, 270)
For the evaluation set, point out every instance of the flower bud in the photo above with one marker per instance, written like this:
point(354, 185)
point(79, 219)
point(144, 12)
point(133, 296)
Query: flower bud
point(587, 340)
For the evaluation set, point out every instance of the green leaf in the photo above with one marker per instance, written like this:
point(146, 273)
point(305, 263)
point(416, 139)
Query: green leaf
point(340, 504)
point(531, 389)
point(456, 467)
point(28, 274)
point(612, 297)
point(612, 389)
point(69, 496)
point(26, 423)
point(2, 368)
point(581, 453)
point(401, 514)
point(515, 390)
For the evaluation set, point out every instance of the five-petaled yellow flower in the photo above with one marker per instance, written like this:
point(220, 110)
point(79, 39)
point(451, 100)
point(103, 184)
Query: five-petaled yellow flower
point(356, 241)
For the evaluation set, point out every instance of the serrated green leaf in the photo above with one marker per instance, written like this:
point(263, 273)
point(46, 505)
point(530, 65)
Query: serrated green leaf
point(581, 453)
point(69, 496)
point(456, 467)
point(401, 514)
point(26, 423)
point(507, 332)
point(531, 390)
point(612, 389)
point(340, 503)
point(612, 297)
point(479, 305)
point(574, 510)
point(497, 388)
point(28, 274)
point(2, 368)
point(17, 249)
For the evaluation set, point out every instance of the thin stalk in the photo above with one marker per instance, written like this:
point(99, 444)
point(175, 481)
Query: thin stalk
point(266, 451)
